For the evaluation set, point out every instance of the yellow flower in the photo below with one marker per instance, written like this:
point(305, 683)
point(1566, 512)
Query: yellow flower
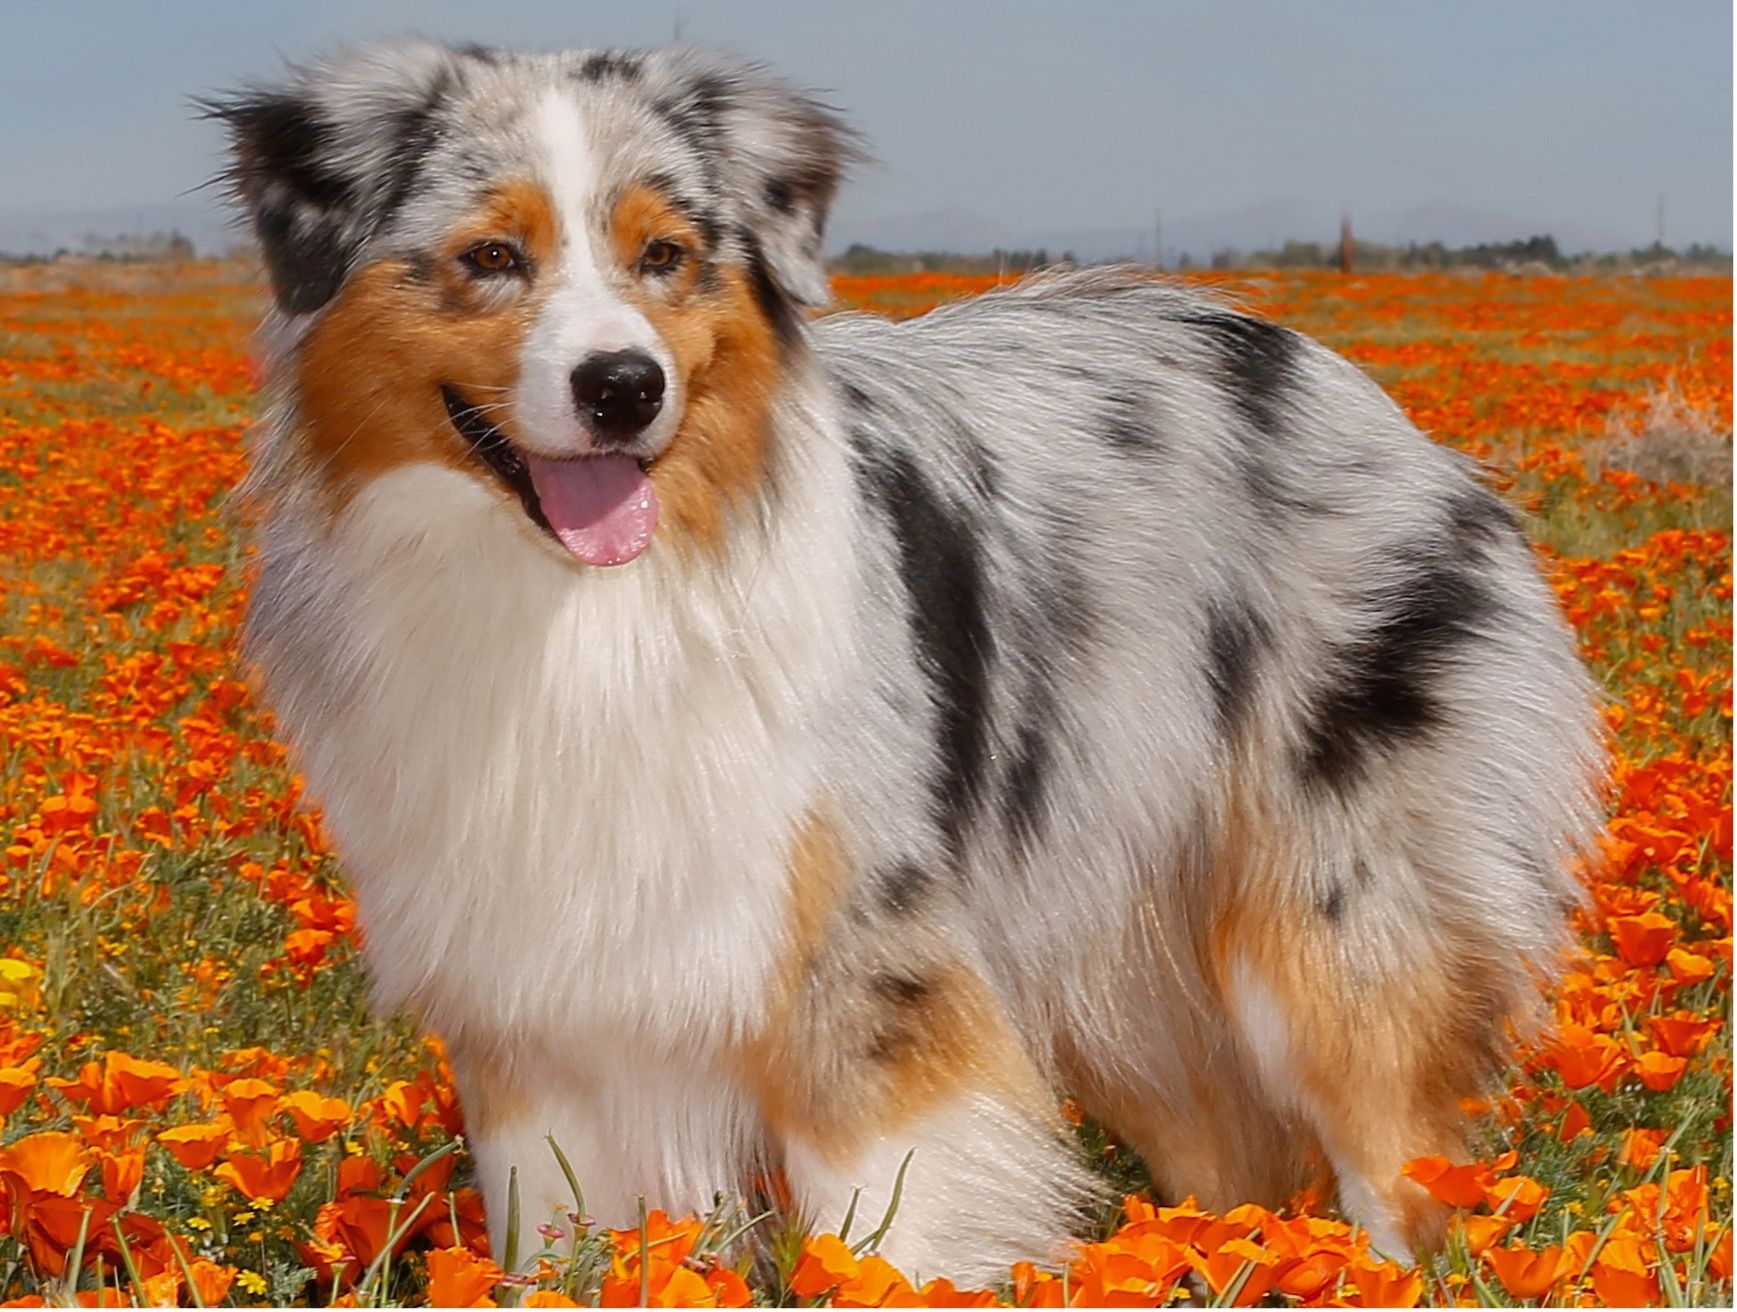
point(18, 982)
point(251, 1281)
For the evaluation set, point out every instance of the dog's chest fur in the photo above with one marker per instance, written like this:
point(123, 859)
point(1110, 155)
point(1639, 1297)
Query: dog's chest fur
point(566, 804)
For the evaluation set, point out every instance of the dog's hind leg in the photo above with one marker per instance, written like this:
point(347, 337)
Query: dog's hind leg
point(1200, 1119)
point(1372, 1023)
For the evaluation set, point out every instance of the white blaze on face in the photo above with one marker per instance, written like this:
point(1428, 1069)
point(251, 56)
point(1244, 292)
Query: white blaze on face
point(583, 312)
point(603, 508)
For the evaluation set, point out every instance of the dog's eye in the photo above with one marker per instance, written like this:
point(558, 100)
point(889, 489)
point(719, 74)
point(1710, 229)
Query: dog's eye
point(493, 257)
point(661, 257)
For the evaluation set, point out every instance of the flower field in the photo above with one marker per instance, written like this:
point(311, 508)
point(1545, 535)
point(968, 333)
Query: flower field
point(197, 1108)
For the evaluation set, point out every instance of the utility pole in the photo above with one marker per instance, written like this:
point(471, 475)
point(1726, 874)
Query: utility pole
point(1347, 245)
point(1157, 239)
point(1659, 235)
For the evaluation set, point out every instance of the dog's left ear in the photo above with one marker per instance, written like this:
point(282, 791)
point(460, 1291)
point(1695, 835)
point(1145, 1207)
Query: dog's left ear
point(786, 151)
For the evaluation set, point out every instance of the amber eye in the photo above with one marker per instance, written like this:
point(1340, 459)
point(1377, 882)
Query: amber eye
point(493, 257)
point(661, 257)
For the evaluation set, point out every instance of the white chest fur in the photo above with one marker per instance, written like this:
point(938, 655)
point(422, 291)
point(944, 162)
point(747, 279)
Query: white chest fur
point(565, 797)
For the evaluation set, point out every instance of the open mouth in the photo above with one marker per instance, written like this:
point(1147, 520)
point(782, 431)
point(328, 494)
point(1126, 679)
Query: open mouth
point(488, 445)
point(601, 508)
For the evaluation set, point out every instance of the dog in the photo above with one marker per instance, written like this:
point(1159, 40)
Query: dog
point(768, 742)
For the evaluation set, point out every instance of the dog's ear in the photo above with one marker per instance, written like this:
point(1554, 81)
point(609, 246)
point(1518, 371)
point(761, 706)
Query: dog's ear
point(319, 161)
point(785, 152)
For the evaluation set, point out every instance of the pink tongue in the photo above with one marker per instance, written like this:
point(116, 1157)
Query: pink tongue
point(603, 508)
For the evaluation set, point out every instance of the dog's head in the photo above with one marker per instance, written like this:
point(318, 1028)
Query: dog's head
point(575, 276)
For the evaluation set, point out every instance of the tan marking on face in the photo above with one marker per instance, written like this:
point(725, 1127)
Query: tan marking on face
point(369, 372)
point(726, 360)
point(847, 1056)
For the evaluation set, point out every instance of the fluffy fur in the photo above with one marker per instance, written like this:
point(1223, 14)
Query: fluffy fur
point(1085, 687)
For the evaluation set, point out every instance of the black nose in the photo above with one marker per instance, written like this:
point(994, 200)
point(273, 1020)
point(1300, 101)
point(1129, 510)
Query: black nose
point(620, 392)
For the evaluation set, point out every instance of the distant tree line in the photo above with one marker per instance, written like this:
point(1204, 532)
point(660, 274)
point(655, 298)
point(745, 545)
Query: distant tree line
point(127, 248)
point(860, 258)
point(1541, 251)
point(1538, 250)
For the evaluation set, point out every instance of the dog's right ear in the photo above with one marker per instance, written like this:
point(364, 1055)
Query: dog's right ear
point(320, 161)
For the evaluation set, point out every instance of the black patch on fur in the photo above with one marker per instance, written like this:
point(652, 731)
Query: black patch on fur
point(304, 254)
point(697, 113)
point(1257, 365)
point(696, 212)
point(415, 131)
point(902, 889)
point(859, 399)
point(780, 195)
point(905, 1022)
point(711, 228)
point(905, 990)
point(665, 185)
point(1333, 905)
point(1264, 485)
point(942, 573)
point(1127, 425)
point(1027, 778)
point(887, 1043)
point(1065, 596)
point(980, 470)
point(1478, 515)
point(1053, 632)
point(1235, 637)
point(778, 308)
point(609, 63)
point(281, 139)
point(1258, 360)
point(1379, 691)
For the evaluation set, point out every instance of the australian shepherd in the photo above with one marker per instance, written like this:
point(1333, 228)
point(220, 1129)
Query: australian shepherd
point(762, 742)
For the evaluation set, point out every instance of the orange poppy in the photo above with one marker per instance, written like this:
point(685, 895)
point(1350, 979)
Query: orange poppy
point(270, 1177)
point(457, 1277)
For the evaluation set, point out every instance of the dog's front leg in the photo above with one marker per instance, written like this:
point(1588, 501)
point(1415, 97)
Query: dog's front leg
point(899, 1095)
point(631, 1128)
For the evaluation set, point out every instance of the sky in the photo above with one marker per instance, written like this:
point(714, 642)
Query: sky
point(1022, 118)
